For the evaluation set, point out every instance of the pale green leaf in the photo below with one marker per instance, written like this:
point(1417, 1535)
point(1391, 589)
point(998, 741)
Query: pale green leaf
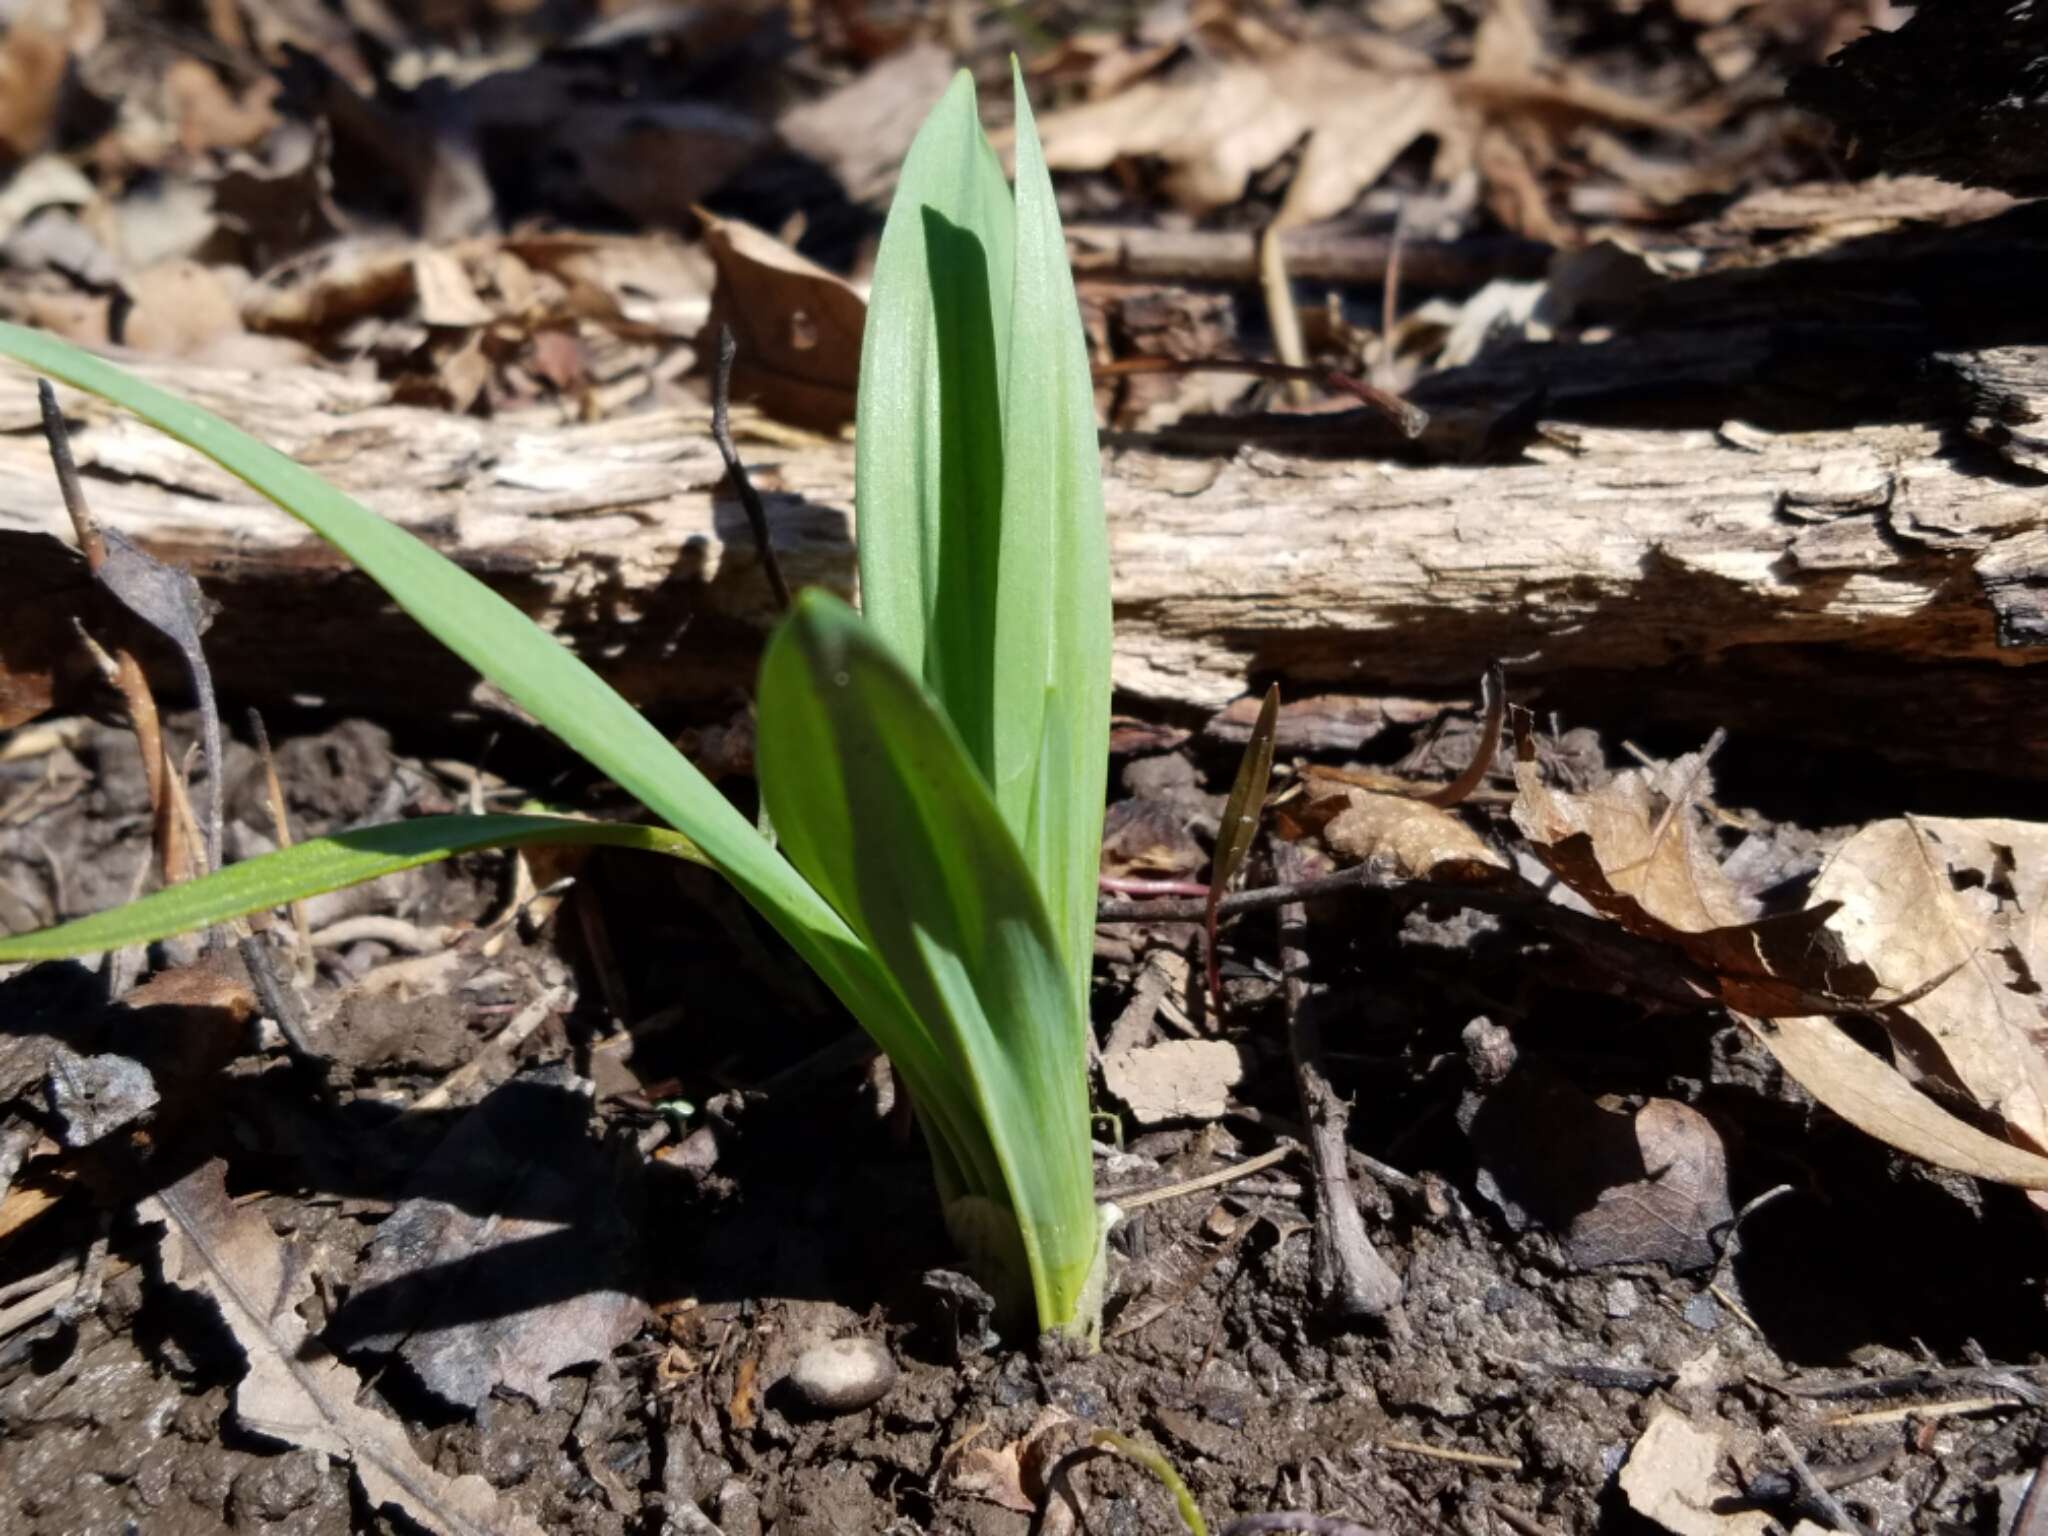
point(1052, 640)
point(323, 864)
point(876, 800)
point(929, 445)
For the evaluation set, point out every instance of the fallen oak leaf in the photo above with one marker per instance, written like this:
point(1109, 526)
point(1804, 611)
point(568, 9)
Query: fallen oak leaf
point(1669, 1215)
point(1964, 901)
point(292, 1391)
point(1876, 1098)
point(1644, 867)
point(798, 326)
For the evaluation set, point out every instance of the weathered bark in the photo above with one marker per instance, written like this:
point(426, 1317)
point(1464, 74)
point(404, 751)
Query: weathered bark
point(1830, 529)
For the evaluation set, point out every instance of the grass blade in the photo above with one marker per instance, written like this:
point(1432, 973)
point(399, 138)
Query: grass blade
point(879, 804)
point(324, 864)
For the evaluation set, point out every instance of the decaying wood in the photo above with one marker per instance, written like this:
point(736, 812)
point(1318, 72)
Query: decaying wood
point(1958, 90)
point(1799, 522)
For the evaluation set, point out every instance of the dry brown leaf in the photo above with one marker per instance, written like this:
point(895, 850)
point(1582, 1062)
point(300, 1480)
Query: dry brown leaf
point(798, 327)
point(208, 115)
point(445, 294)
point(342, 282)
point(1675, 1476)
point(1175, 1080)
point(1012, 1475)
point(33, 61)
point(1876, 1098)
point(1358, 102)
point(1670, 1215)
point(1644, 834)
point(994, 1474)
point(504, 1264)
point(1421, 841)
point(292, 1391)
point(862, 130)
point(1360, 106)
point(181, 307)
point(1632, 851)
point(1921, 897)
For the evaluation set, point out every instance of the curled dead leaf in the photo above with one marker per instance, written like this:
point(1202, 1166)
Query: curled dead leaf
point(798, 327)
point(1420, 840)
point(1921, 897)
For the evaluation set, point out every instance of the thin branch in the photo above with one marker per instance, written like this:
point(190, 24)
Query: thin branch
point(1493, 694)
point(90, 543)
point(1351, 1280)
point(1297, 1520)
point(750, 499)
point(1412, 420)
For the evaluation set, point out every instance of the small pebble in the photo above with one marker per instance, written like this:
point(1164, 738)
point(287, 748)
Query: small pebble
point(843, 1376)
point(1622, 1299)
point(1702, 1313)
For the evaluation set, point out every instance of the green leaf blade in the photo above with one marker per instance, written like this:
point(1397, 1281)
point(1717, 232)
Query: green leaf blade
point(1052, 629)
point(530, 665)
point(323, 864)
point(929, 440)
point(878, 802)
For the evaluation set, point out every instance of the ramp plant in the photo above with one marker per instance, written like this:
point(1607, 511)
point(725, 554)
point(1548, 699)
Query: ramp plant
point(933, 766)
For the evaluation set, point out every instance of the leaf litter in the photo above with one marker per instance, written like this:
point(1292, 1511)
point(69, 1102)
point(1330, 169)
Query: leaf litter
point(292, 1390)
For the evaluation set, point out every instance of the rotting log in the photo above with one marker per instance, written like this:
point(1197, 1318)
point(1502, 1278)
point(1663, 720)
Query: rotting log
point(1772, 580)
point(1834, 536)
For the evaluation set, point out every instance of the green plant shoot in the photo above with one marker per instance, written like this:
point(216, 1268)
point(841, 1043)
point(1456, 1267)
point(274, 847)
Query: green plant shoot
point(934, 766)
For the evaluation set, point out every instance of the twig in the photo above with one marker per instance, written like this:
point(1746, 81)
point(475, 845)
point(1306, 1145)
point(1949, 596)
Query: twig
point(1235, 1171)
point(280, 823)
point(1493, 694)
point(1132, 885)
point(1298, 1520)
point(1411, 419)
point(1955, 1408)
point(1442, 1453)
point(500, 1047)
point(1350, 1279)
point(164, 597)
point(1816, 1490)
point(280, 1000)
point(750, 499)
point(2032, 1519)
point(1517, 1521)
point(1314, 254)
point(1281, 315)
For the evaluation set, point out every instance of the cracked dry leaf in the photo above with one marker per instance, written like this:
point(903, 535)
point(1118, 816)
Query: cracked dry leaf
point(292, 1391)
point(510, 1258)
point(1923, 896)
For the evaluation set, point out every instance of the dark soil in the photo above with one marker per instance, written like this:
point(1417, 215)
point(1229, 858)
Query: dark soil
point(782, 1203)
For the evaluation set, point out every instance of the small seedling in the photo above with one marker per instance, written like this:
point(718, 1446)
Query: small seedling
point(933, 766)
